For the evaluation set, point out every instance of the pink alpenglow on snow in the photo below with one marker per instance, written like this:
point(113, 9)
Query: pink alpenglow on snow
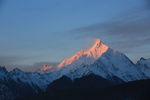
point(45, 67)
point(97, 49)
point(93, 53)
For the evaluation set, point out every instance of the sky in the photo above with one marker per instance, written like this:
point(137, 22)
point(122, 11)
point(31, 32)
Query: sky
point(37, 32)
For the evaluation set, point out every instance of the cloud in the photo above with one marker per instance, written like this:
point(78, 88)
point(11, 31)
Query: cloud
point(6, 60)
point(122, 28)
point(119, 26)
point(131, 44)
point(43, 63)
point(29, 68)
point(11, 62)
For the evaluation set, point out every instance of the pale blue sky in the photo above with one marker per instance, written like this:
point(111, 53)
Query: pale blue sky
point(37, 31)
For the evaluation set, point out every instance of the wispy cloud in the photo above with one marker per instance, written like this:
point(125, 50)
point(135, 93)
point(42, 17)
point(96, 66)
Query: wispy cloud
point(133, 23)
point(119, 25)
point(29, 68)
point(11, 62)
point(128, 46)
point(6, 60)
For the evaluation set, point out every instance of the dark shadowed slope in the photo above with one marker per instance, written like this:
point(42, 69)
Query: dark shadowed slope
point(137, 90)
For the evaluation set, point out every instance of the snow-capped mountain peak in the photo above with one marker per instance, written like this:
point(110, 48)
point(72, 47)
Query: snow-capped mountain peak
point(97, 49)
point(101, 60)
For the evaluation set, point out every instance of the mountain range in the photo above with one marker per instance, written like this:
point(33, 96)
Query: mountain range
point(100, 66)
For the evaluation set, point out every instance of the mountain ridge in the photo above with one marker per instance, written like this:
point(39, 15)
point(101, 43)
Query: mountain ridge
point(100, 60)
